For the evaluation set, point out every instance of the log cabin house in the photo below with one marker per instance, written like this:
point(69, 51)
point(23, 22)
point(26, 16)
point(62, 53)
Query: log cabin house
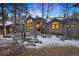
point(8, 28)
point(68, 27)
point(71, 27)
point(55, 26)
point(36, 24)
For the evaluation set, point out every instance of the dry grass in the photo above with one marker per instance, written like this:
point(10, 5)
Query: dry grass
point(11, 50)
point(51, 51)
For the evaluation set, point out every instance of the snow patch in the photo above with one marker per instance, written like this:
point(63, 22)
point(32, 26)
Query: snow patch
point(54, 41)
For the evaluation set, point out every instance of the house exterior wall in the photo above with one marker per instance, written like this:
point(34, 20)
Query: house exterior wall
point(72, 32)
point(26, 29)
point(34, 22)
point(8, 31)
point(57, 31)
point(77, 24)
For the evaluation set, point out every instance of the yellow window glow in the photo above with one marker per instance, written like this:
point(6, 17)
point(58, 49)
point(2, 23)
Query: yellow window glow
point(72, 25)
point(55, 25)
point(38, 25)
point(17, 26)
point(29, 24)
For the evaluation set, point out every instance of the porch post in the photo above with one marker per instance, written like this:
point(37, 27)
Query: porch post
point(4, 30)
point(10, 30)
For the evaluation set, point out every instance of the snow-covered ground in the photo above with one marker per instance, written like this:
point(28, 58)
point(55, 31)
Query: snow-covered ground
point(54, 41)
point(5, 40)
point(46, 42)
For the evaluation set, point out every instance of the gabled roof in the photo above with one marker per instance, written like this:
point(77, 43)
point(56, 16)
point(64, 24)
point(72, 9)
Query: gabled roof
point(37, 18)
point(29, 17)
point(55, 19)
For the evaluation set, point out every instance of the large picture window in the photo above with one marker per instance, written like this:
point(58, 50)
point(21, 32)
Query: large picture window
point(55, 25)
point(29, 24)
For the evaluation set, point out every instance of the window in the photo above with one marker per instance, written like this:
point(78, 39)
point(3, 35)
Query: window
point(71, 25)
point(29, 24)
point(38, 25)
point(17, 26)
point(55, 25)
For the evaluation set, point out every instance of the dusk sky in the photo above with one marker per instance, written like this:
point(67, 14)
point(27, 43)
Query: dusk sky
point(55, 9)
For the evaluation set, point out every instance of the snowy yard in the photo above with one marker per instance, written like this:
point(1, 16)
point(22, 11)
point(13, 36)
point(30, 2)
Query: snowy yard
point(46, 42)
point(50, 46)
point(5, 40)
point(55, 41)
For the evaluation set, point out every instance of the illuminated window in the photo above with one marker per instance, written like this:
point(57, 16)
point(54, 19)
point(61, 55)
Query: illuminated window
point(55, 25)
point(17, 26)
point(72, 25)
point(38, 25)
point(29, 24)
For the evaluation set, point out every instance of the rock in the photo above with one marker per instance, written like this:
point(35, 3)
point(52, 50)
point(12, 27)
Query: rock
point(38, 42)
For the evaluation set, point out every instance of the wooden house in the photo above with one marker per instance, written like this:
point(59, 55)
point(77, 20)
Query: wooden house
point(34, 24)
point(55, 26)
point(8, 28)
point(29, 23)
point(71, 27)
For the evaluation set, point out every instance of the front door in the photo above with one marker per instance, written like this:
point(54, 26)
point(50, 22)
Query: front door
point(39, 26)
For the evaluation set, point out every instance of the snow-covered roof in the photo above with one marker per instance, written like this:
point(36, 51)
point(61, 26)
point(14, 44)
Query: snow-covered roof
point(60, 18)
point(7, 23)
point(48, 20)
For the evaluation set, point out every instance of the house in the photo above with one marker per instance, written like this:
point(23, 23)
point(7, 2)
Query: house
point(71, 27)
point(55, 26)
point(29, 23)
point(8, 26)
point(34, 24)
point(40, 24)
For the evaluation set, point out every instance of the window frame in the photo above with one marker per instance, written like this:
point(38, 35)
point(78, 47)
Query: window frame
point(56, 26)
point(29, 24)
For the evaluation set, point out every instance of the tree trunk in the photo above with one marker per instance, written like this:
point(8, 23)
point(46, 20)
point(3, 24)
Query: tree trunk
point(14, 17)
point(21, 26)
point(24, 26)
point(3, 21)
